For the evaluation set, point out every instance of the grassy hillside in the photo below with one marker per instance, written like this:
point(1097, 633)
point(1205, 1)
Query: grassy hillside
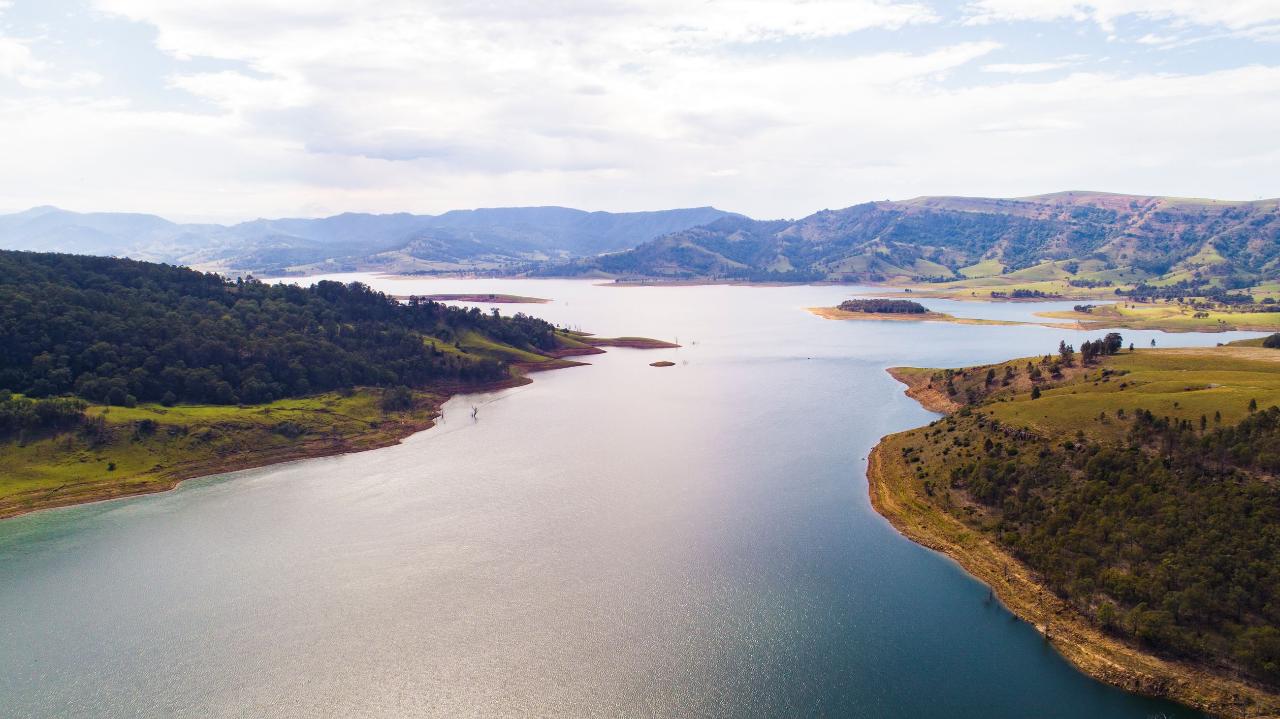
point(120, 451)
point(1071, 242)
point(1139, 493)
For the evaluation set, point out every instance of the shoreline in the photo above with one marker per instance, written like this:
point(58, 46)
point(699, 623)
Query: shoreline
point(894, 495)
point(932, 399)
point(386, 433)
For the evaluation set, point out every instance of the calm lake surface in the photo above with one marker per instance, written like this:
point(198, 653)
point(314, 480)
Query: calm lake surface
point(611, 540)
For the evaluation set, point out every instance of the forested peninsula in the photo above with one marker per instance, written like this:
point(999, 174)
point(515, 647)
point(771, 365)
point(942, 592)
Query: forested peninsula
point(119, 377)
point(1124, 500)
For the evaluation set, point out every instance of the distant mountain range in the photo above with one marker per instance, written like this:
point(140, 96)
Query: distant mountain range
point(1084, 237)
point(1102, 236)
point(483, 239)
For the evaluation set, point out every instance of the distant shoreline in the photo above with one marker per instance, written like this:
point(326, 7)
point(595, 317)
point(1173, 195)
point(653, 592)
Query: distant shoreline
point(483, 297)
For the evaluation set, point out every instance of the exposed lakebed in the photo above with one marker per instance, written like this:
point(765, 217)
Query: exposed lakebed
point(609, 540)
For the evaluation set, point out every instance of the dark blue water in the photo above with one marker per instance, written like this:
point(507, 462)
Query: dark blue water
point(612, 540)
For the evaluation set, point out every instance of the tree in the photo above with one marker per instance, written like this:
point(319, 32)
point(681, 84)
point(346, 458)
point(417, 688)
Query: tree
point(1066, 353)
point(1035, 392)
point(396, 399)
point(1112, 343)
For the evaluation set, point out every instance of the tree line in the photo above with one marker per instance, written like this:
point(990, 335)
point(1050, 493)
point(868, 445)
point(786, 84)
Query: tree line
point(119, 331)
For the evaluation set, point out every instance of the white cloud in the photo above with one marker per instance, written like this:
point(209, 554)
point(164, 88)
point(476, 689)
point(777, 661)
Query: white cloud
point(1231, 14)
point(19, 64)
point(403, 105)
point(1023, 68)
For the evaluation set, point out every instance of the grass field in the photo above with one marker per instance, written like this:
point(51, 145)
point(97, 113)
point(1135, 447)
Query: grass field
point(151, 447)
point(1048, 278)
point(1178, 383)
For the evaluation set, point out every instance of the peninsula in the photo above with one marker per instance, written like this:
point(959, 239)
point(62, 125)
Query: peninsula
point(121, 377)
point(1123, 501)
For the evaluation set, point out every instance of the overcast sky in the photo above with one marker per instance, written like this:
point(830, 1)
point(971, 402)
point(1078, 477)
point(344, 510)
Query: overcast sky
point(244, 108)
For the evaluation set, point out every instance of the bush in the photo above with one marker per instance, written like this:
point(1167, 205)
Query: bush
point(289, 429)
point(397, 399)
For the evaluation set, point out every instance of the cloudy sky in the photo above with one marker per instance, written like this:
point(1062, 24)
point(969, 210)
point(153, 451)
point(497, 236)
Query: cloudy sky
point(233, 109)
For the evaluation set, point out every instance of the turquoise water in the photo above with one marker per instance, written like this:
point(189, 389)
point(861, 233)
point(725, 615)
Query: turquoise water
point(611, 540)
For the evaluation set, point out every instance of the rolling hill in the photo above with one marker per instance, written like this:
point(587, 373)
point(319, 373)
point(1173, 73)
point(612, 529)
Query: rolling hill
point(1096, 237)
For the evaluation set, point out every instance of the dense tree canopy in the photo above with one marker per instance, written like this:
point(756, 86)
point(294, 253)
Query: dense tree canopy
point(1170, 537)
point(119, 331)
point(884, 305)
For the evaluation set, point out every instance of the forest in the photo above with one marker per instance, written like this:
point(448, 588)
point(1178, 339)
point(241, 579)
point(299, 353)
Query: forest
point(120, 332)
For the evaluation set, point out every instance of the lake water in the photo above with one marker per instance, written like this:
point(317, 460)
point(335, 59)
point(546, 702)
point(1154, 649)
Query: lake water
point(611, 540)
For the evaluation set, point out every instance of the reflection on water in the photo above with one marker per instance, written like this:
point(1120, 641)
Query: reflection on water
point(611, 540)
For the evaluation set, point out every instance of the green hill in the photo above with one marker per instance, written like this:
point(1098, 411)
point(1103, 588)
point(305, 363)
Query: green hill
point(1095, 239)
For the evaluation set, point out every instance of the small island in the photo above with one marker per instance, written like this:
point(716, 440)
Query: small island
point(895, 309)
point(662, 363)
point(884, 307)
